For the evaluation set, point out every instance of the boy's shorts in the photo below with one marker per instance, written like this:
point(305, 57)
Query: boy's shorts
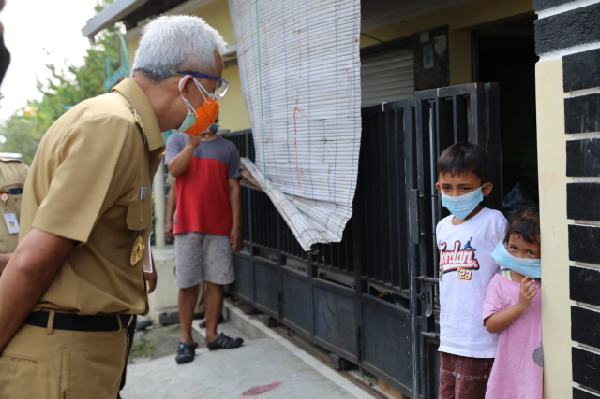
point(463, 377)
point(202, 257)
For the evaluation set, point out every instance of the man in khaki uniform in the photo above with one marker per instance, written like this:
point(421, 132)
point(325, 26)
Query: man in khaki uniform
point(12, 176)
point(76, 278)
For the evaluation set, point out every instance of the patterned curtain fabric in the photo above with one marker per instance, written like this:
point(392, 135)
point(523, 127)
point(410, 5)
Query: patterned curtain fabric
point(300, 70)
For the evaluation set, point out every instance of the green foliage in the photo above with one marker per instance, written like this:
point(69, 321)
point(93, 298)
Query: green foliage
point(66, 87)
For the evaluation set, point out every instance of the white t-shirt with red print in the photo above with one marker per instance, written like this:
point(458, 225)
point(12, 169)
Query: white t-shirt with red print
point(466, 268)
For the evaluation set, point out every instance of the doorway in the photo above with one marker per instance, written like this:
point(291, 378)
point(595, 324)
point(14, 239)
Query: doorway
point(504, 52)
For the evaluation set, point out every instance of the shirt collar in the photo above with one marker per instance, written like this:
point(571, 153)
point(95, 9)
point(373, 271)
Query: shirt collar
point(143, 112)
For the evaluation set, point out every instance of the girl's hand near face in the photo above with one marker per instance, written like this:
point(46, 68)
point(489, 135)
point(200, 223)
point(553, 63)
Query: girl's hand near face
point(527, 292)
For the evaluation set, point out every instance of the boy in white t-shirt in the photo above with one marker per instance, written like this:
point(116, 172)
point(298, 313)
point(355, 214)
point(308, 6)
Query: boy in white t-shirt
point(465, 240)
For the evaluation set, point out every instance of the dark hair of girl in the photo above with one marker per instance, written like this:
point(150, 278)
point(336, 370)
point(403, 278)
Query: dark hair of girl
point(526, 223)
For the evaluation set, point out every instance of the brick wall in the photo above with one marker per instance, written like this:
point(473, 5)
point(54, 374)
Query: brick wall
point(581, 84)
point(571, 30)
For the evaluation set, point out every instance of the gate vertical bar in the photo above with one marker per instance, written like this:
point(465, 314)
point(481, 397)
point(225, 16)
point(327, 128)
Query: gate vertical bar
point(247, 138)
point(413, 232)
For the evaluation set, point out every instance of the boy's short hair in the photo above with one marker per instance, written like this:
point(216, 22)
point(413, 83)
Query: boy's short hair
point(526, 223)
point(463, 158)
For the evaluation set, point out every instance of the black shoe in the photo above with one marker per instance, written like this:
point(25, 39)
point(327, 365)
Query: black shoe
point(185, 353)
point(223, 341)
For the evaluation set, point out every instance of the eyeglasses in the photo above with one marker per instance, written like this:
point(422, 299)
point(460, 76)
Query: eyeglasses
point(222, 84)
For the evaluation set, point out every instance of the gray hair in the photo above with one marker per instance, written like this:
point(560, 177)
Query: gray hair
point(170, 42)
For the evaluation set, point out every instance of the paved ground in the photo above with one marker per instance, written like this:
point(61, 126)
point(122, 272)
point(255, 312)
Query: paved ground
point(155, 343)
point(268, 367)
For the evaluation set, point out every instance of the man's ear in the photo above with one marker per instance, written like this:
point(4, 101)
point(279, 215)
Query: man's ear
point(182, 84)
point(438, 187)
point(487, 188)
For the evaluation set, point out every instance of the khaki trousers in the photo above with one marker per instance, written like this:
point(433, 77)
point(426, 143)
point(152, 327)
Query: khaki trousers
point(42, 363)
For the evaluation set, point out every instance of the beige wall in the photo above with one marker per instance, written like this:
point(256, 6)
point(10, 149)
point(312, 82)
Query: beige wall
point(234, 112)
point(553, 214)
point(217, 15)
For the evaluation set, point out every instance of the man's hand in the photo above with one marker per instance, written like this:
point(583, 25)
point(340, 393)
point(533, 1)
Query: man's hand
point(170, 214)
point(195, 141)
point(151, 280)
point(169, 229)
point(235, 237)
point(150, 277)
point(29, 273)
point(179, 164)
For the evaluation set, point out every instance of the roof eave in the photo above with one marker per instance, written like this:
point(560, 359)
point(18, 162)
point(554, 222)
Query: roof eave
point(109, 15)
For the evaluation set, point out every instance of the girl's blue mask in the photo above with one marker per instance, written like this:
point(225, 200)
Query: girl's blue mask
point(462, 205)
point(531, 268)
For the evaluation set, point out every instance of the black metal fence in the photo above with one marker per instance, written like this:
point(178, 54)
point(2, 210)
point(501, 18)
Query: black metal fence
point(372, 298)
point(351, 297)
point(378, 207)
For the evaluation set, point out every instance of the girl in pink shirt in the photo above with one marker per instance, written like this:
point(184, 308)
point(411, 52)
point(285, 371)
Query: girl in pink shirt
point(512, 309)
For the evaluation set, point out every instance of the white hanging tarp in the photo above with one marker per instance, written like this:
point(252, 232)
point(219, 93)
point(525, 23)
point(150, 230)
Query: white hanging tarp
point(300, 71)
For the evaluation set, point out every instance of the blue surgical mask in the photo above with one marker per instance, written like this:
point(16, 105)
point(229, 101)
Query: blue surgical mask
point(168, 133)
point(531, 268)
point(189, 120)
point(461, 206)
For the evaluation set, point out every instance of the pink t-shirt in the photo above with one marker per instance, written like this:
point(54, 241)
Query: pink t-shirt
point(517, 372)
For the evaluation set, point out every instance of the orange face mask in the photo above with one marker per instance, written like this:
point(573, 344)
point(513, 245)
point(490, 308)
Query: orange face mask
point(199, 120)
point(206, 116)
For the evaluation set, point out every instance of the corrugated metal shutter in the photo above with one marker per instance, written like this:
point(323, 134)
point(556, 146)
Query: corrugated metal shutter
point(387, 76)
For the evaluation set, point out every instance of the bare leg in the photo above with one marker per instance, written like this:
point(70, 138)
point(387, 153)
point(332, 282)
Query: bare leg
point(186, 303)
point(213, 303)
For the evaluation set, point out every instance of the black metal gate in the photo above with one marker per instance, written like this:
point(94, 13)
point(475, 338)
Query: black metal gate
point(372, 298)
point(443, 117)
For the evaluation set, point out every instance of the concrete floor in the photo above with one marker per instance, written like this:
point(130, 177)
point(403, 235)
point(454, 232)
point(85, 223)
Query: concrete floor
point(266, 358)
point(228, 374)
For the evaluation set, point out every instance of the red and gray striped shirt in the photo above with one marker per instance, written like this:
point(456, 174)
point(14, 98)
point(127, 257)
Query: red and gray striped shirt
point(203, 203)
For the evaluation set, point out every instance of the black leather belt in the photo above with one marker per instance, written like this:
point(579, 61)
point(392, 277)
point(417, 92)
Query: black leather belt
point(75, 322)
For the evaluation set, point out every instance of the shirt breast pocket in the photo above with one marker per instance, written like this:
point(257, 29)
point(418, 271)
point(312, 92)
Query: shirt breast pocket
point(138, 222)
point(138, 216)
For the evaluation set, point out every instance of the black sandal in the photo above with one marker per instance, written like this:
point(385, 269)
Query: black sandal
point(223, 341)
point(185, 353)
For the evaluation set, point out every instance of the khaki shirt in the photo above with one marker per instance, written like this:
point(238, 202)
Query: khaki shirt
point(12, 177)
point(90, 181)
